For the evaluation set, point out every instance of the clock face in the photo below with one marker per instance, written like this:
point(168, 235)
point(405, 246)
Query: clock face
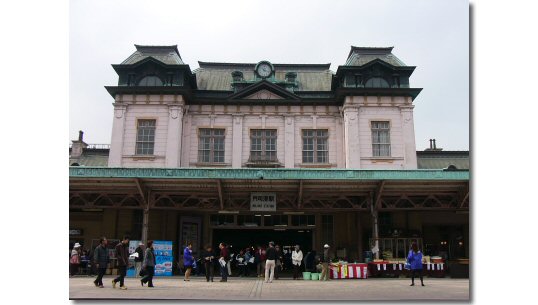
point(264, 70)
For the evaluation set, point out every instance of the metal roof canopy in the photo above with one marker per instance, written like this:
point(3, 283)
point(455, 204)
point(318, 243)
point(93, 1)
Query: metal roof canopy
point(217, 189)
point(265, 173)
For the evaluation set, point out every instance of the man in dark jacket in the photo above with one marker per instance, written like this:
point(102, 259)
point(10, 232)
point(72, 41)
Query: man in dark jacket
point(208, 257)
point(100, 260)
point(122, 254)
point(223, 260)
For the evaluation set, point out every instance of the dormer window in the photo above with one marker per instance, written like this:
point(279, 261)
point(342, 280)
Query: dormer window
point(131, 79)
point(150, 81)
point(237, 76)
point(291, 77)
point(170, 79)
point(376, 82)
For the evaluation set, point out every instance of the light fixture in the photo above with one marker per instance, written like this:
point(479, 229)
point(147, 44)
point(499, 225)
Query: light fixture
point(228, 212)
point(257, 215)
point(266, 215)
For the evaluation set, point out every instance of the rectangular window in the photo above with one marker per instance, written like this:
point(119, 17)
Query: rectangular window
point(315, 148)
point(381, 139)
point(303, 220)
point(145, 137)
point(263, 145)
point(211, 145)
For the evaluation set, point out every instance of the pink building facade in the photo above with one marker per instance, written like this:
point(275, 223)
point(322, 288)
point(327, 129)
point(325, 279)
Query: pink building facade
point(239, 115)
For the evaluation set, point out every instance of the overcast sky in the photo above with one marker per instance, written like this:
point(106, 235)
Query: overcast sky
point(431, 35)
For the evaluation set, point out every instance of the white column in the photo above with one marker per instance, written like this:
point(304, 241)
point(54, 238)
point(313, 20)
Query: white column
point(116, 143)
point(351, 136)
point(174, 136)
point(408, 134)
point(237, 140)
point(289, 141)
point(339, 141)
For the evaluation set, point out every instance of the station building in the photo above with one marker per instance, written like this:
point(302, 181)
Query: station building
point(244, 153)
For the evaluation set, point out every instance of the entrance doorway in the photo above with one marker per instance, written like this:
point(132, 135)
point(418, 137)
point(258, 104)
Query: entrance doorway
point(243, 238)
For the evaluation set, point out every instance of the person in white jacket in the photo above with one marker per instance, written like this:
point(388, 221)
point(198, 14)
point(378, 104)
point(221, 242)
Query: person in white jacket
point(296, 259)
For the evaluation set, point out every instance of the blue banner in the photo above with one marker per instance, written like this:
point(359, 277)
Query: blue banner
point(163, 257)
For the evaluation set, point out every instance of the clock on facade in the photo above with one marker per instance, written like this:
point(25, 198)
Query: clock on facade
point(264, 69)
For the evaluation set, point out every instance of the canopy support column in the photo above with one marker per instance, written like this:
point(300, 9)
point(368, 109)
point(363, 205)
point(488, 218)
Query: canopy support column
point(375, 229)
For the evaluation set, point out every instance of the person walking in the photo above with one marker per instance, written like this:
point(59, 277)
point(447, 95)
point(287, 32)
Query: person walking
point(223, 259)
point(414, 258)
point(208, 257)
point(138, 259)
point(122, 256)
point(74, 260)
point(297, 258)
point(188, 261)
point(100, 260)
point(148, 265)
point(270, 262)
point(325, 259)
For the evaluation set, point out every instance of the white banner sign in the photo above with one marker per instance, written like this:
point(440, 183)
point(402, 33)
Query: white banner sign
point(263, 201)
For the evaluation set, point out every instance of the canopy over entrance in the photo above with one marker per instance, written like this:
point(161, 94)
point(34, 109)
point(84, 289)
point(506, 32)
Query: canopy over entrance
point(229, 190)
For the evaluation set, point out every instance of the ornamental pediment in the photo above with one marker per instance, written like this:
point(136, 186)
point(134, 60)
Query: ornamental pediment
point(264, 95)
point(264, 90)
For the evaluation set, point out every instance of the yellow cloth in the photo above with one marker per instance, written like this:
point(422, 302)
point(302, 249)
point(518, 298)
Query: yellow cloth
point(345, 270)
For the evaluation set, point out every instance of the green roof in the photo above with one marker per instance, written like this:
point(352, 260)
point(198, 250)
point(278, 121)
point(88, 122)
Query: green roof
point(268, 174)
point(218, 76)
point(359, 56)
point(166, 54)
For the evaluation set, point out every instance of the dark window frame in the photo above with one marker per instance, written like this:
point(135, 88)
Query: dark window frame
point(215, 155)
point(264, 138)
point(316, 137)
point(145, 137)
point(377, 128)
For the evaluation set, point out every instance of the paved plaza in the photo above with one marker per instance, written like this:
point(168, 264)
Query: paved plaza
point(283, 289)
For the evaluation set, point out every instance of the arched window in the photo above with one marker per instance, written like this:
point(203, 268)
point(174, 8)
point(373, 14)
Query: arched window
point(75, 164)
point(150, 80)
point(377, 82)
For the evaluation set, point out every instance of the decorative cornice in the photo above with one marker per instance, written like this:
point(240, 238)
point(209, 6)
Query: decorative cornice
point(266, 173)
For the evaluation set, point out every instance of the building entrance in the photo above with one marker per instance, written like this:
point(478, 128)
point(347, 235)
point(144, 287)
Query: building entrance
point(248, 237)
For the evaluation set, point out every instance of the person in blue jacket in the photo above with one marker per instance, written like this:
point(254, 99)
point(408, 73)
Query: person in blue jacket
point(188, 261)
point(414, 258)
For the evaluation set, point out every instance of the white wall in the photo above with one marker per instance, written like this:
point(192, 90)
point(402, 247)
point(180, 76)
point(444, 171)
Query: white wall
point(398, 111)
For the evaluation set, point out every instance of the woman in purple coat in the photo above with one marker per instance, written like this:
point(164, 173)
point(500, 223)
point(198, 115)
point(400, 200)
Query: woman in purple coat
point(188, 260)
point(414, 258)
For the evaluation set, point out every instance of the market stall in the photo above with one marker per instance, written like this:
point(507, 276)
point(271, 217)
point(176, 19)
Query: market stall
point(348, 271)
point(431, 267)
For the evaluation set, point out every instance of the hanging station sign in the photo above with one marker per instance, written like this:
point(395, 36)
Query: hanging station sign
point(263, 201)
